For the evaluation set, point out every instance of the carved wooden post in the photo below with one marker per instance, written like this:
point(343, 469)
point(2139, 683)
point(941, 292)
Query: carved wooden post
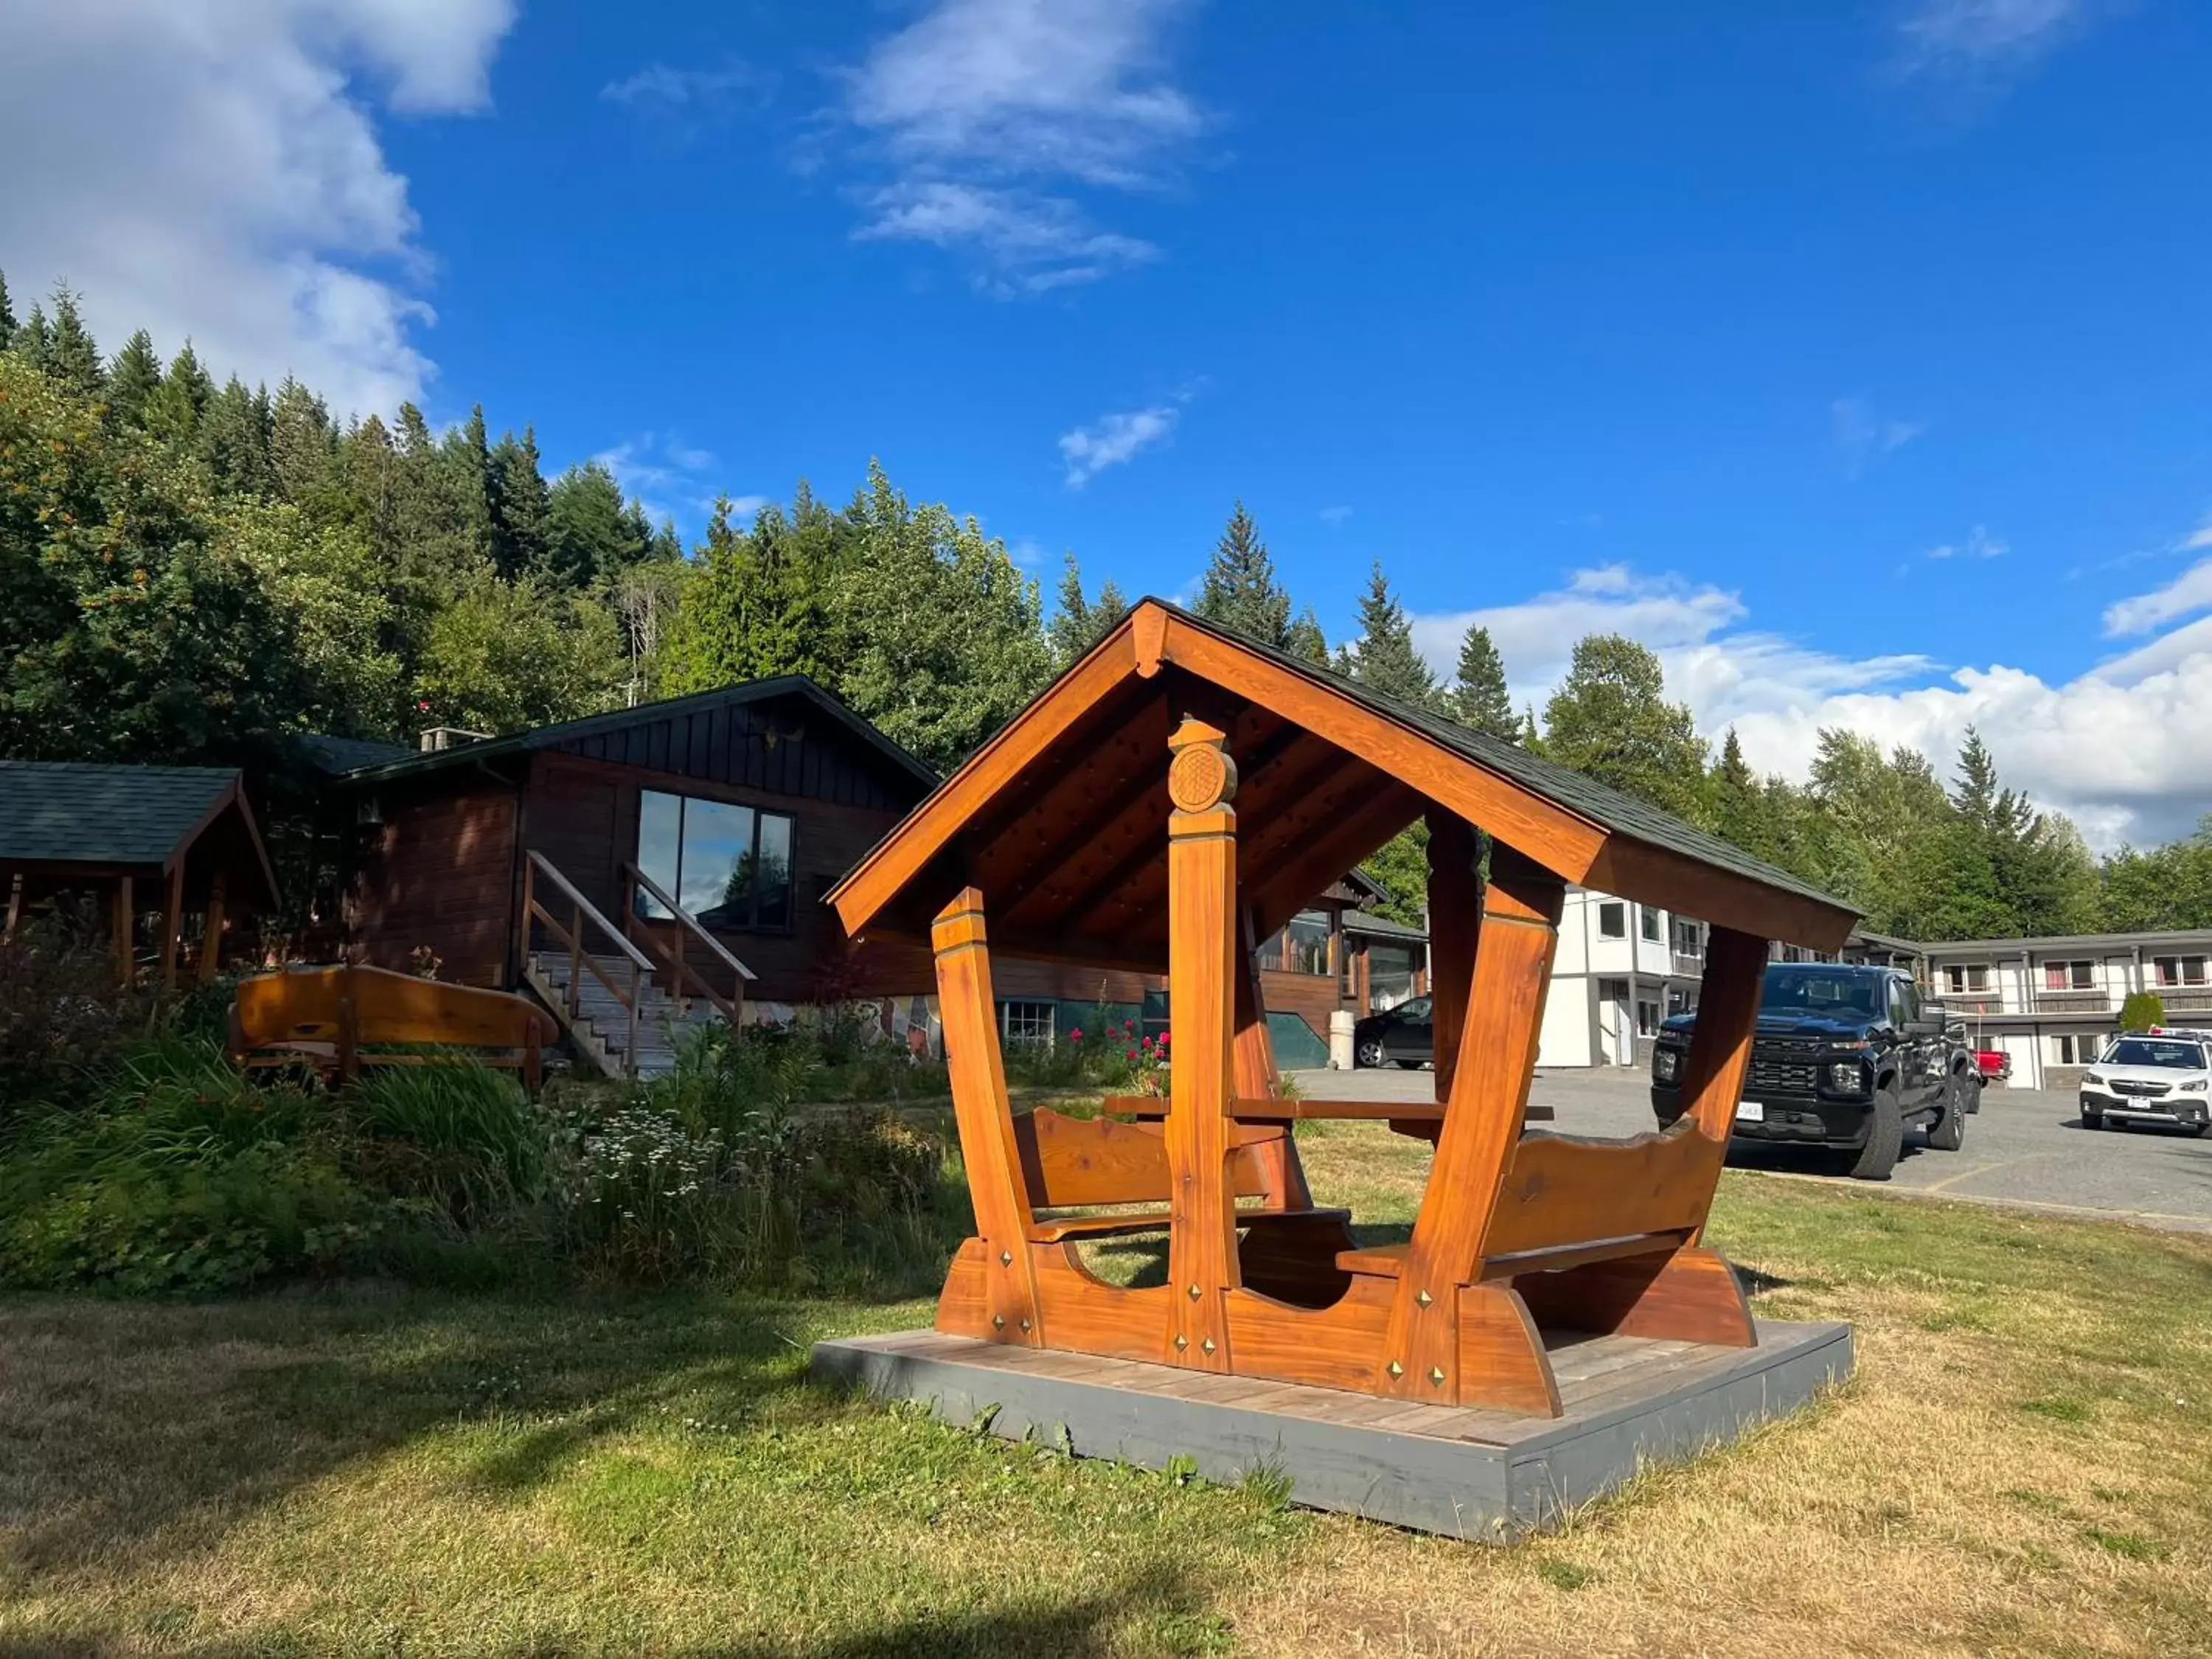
point(1442, 1323)
point(1720, 1045)
point(1256, 1077)
point(1455, 917)
point(173, 924)
point(978, 1072)
point(1203, 936)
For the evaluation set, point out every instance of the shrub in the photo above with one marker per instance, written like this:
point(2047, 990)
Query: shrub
point(2141, 1011)
point(63, 1017)
point(458, 1134)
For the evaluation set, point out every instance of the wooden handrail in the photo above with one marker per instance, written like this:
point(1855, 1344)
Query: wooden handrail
point(732, 1006)
point(582, 910)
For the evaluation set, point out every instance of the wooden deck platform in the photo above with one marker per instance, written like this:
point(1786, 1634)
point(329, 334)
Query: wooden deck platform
point(1464, 1473)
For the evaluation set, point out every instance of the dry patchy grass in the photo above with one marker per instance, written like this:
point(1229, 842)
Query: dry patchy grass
point(2020, 1466)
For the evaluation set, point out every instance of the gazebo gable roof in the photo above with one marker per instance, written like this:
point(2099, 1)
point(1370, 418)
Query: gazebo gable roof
point(1058, 819)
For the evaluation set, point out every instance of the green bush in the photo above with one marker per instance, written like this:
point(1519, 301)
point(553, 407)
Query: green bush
point(63, 1018)
point(461, 1135)
point(2141, 1011)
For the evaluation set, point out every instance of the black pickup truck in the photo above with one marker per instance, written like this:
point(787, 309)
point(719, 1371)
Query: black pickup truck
point(1845, 1058)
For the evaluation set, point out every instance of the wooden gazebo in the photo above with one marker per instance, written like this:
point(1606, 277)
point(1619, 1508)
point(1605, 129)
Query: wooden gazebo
point(182, 836)
point(1176, 796)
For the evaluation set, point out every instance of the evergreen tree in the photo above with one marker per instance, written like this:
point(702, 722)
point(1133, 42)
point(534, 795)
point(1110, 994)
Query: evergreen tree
point(7, 315)
point(464, 458)
point(519, 502)
point(755, 605)
point(1239, 590)
point(133, 380)
point(1307, 642)
point(1610, 719)
point(1079, 622)
point(589, 533)
point(173, 412)
point(1741, 804)
point(34, 341)
point(234, 439)
point(1479, 696)
point(1383, 658)
point(71, 353)
point(303, 451)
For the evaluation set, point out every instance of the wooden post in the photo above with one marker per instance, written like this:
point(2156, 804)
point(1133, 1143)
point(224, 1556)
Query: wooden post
point(1454, 918)
point(1257, 1077)
point(1504, 1009)
point(15, 905)
point(212, 940)
point(123, 919)
point(172, 925)
point(1203, 936)
point(969, 1013)
point(1720, 1044)
point(576, 960)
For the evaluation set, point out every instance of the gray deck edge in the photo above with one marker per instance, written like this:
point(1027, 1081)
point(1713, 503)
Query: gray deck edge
point(1459, 1488)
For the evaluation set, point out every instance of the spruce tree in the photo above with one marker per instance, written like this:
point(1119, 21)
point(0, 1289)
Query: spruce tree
point(1383, 658)
point(590, 534)
point(7, 315)
point(302, 449)
point(1479, 697)
point(1610, 719)
point(519, 500)
point(233, 441)
point(172, 414)
point(72, 355)
point(1078, 623)
point(1740, 803)
point(1239, 590)
point(1307, 641)
point(132, 379)
point(34, 341)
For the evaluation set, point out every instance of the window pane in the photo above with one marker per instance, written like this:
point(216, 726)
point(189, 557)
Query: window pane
point(2084, 975)
point(718, 863)
point(659, 828)
point(772, 878)
point(1978, 979)
point(1309, 937)
point(2054, 976)
point(1613, 920)
point(1389, 974)
point(1650, 924)
point(2192, 970)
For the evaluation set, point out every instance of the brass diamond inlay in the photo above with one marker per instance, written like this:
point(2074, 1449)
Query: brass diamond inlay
point(1436, 1376)
point(1424, 1299)
point(1396, 1369)
point(1207, 1346)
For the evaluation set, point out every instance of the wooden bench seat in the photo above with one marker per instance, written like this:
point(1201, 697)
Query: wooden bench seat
point(1054, 1229)
point(1387, 1260)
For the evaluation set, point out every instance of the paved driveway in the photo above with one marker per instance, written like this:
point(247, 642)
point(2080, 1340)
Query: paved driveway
point(2026, 1146)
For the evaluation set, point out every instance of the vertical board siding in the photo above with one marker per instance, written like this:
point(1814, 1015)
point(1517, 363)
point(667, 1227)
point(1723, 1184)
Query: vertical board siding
point(439, 871)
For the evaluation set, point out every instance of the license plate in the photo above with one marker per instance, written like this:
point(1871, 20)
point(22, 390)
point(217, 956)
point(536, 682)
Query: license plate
point(1750, 1111)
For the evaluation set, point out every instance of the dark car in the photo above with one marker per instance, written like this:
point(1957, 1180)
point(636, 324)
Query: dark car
point(1403, 1036)
point(1844, 1057)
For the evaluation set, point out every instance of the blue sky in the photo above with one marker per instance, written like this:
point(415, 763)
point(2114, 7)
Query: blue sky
point(1850, 355)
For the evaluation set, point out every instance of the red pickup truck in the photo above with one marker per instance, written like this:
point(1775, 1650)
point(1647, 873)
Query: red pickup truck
point(1994, 1064)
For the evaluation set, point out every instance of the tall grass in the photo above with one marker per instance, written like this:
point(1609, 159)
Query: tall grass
point(460, 1134)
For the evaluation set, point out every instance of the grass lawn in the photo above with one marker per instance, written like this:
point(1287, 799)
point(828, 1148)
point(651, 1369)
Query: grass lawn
point(2023, 1465)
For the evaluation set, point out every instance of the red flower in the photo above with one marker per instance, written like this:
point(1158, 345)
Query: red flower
point(1076, 1036)
point(1132, 1053)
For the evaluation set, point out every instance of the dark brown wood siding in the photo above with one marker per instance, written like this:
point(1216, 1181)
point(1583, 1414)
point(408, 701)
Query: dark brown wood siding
point(583, 815)
point(439, 871)
point(1312, 997)
point(784, 746)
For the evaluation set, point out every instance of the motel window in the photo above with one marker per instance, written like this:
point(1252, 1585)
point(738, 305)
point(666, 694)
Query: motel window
point(1651, 920)
point(1613, 920)
point(2180, 970)
point(1307, 942)
point(728, 866)
point(1678, 1001)
point(2068, 975)
point(1026, 1024)
point(1647, 1017)
point(1960, 980)
point(1686, 941)
point(2081, 1049)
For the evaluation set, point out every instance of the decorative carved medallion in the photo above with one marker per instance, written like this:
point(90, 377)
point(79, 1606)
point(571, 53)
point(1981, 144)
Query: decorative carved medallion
point(1201, 778)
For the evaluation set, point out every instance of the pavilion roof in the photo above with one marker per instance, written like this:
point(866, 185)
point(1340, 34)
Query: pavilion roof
point(88, 817)
point(1061, 818)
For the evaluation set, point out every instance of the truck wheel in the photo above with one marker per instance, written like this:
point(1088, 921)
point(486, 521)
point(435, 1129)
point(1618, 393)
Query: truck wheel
point(1369, 1053)
point(1948, 1132)
point(1885, 1137)
point(1970, 1089)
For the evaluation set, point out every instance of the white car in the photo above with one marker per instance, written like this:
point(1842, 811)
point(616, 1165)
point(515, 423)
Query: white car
point(2154, 1079)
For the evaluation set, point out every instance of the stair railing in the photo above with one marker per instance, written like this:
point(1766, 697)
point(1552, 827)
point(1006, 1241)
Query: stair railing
point(581, 911)
point(731, 1007)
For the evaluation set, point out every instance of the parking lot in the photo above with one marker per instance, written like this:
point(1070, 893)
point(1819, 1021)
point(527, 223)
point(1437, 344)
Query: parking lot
point(2026, 1146)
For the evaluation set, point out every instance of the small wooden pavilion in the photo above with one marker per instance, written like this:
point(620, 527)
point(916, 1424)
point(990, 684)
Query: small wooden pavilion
point(1172, 799)
point(181, 837)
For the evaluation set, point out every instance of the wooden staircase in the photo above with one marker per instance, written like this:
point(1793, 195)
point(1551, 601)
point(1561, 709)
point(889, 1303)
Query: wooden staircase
point(626, 996)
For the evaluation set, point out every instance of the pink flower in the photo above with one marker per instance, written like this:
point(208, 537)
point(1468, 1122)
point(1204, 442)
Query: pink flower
point(1076, 1036)
point(1132, 1053)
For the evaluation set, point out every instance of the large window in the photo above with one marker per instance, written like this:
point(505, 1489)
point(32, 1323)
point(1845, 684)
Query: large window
point(1027, 1025)
point(1613, 920)
point(2068, 975)
point(1687, 942)
point(1306, 942)
point(2180, 970)
point(1651, 919)
point(1958, 980)
point(729, 865)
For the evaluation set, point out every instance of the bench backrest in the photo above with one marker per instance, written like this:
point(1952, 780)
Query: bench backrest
point(350, 1006)
point(1068, 1161)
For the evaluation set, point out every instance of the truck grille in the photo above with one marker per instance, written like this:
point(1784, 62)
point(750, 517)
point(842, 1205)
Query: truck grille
point(1781, 1076)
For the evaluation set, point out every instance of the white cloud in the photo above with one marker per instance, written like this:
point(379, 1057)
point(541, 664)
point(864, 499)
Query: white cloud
point(1862, 435)
point(655, 468)
point(2190, 591)
point(1334, 516)
point(1978, 545)
point(1978, 35)
point(985, 113)
point(2119, 749)
point(660, 90)
point(210, 168)
point(2200, 537)
point(1114, 439)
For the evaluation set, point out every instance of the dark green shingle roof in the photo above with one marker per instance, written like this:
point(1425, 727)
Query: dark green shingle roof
point(1603, 805)
point(1366, 922)
point(335, 755)
point(62, 811)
